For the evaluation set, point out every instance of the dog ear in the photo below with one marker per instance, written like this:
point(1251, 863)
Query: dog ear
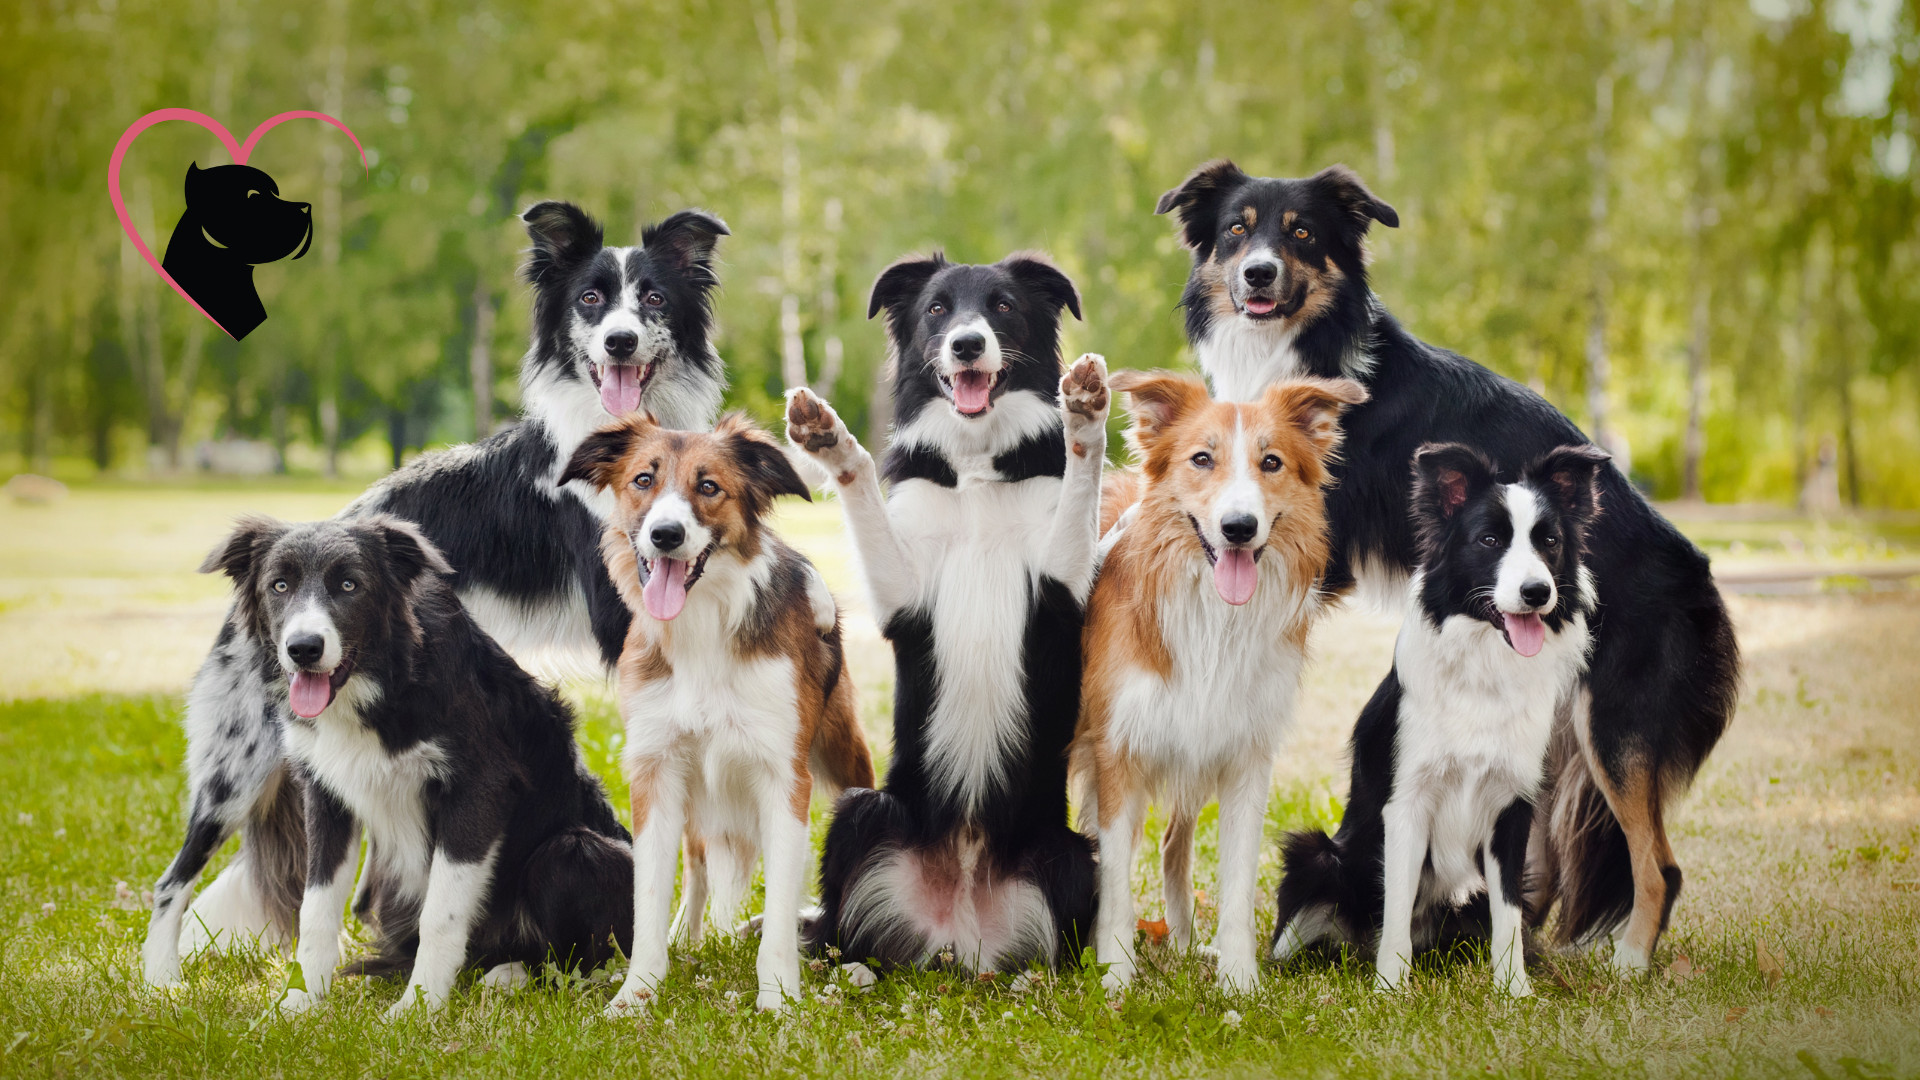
point(685, 239)
point(1314, 406)
point(1571, 474)
point(1345, 187)
point(409, 551)
point(562, 235)
point(900, 284)
point(594, 459)
point(1445, 476)
point(1037, 272)
point(1157, 399)
point(237, 555)
point(1198, 201)
point(761, 458)
point(196, 182)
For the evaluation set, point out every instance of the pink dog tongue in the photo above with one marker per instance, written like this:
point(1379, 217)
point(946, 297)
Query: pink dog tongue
point(620, 388)
point(1234, 577)
point(666, 591)
point(1526, 632)
point(970, 389)
point(1260, 306)
point(310, 693)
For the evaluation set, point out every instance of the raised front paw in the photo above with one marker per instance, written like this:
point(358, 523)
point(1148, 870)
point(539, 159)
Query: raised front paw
point(813, 426)
point(1084, 400)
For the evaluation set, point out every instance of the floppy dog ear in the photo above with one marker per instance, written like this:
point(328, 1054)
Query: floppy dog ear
point(562, 234)
point(1345, 187)
point(1198, 200)
point(251, 537)
point(1037, 272)
point(686, 239)
point(761, 458)
point(594, 459)
point(1571, 474)
point(1445, 476)
point(1156, 399)
point(1314, 406)
point(901, 282)
point(409, 551)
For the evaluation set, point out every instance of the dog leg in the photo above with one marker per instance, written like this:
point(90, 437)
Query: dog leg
point(457, 890)
point(1656, 878)
point(690, 920)
point(1504, 862)
point(333, 839)
point(1176, 877)
point(783, 837)
point(1115, 924)
point(660, 814)
point(1075, 542)
point(1404, 853)
point(813, 426)
point(729, 878)
point(1243, 810)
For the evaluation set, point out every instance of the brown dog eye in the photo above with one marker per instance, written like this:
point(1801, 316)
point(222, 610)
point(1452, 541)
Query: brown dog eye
point(709, 488)
point(1202, 460)
point(655, 299)
point(591, 296)
point(1301, 234)
point(643, 481)
point(1270, 463)
point(937, 309)
point(1238, 229)
point(1003, 307)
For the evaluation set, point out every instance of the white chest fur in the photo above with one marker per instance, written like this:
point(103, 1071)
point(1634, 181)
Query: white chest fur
point(1242, 358)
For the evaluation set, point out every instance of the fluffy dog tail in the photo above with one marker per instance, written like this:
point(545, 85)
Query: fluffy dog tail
point(274, 839)
point(840, 758)
point(1317, 898)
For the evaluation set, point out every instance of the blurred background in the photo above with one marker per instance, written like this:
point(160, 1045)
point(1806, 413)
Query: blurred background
point(1690, 225)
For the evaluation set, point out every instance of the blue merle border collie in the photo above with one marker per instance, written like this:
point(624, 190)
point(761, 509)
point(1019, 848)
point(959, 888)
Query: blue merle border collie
point(1450, 753)
point(1278, 290)
point(497, 846)
point(978, 562)
point(615, 330)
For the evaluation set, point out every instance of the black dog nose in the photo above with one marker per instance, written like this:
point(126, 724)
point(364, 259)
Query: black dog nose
point(621, 343)
point(1239, 528)
point(306, 649)
point(1259, 274)
point(668, 535)
point(967, 346)
point(1536, 593)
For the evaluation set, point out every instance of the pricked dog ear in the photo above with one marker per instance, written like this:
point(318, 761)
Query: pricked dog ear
point(1445, 476)
point(686, 238)
point(1038, 273)
point(562, 235)
point(1157, 399)
point(762, 459)
point(1198, 200)
point(251, 537)
point(408, 550)
point(902, 281)
point(594, 459)
point(1572, 474)
point(1345, 187)
point(194, 183)
point(1314, 406)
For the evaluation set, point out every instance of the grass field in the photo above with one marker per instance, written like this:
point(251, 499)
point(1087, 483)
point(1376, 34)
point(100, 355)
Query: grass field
point(1798, 841)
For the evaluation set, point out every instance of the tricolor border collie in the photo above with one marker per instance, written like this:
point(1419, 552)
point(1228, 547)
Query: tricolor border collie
point(1450, 753)
point(614, 329)
point(1279, 289)
point(978, 562)
point(733, 686)
point(496, 846)
point(1196, 640)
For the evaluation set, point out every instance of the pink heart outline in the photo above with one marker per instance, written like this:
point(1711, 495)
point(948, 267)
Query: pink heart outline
point(240, 152)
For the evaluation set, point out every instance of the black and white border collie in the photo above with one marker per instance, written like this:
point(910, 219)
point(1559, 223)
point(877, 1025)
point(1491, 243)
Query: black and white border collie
point(615, 329)
point(1451, 751)
point(495, 844)
point(1278, 290)
point(978, 562)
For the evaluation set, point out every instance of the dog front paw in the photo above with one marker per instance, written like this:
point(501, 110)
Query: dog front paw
point(813, 426)
point(1083, 402)
point(413, 999)
point(296, 1002)
point(631, 1001)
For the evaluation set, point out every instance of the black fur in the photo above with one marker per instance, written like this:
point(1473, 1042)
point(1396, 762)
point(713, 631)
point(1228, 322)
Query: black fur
point(235, 220)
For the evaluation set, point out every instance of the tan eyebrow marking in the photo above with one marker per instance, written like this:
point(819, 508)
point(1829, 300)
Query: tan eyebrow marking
point(1287, 221)
point(1250, 216)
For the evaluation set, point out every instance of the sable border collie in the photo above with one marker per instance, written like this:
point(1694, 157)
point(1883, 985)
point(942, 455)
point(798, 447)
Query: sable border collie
point(495, 844)
point(1450, 753)
point(733, 685)
point(1196, 638)
point(978, 562)
point(1279, 289)
point(615, 329)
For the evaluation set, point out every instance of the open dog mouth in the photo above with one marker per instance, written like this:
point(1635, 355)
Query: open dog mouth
point(665, 590)
point(1234, 573)
point(620, 385)
point(1527, 632)
point(310, 692)
point(971, 390)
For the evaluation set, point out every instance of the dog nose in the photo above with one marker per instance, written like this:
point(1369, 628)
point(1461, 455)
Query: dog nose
point(1260, 274)
point(967, 347)
point(1536, 593)
point(1239, 528)
point(621, 343)
point(306, 650)
point(667, 536)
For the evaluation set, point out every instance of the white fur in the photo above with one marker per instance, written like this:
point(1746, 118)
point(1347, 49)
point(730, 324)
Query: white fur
point(553, 633)
point(230, 915)
point(456, 895)
point(311, 617)
point(991, 360)
point(672, 508)
point(988, 921)
point(1521, 565)
point(1243, 356)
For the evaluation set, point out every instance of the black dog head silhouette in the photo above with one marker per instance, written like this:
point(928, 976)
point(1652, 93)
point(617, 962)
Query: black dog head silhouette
point(235, 220)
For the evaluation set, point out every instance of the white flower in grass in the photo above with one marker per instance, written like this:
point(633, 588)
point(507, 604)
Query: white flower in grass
point(1231, 1018)
point(859, 975)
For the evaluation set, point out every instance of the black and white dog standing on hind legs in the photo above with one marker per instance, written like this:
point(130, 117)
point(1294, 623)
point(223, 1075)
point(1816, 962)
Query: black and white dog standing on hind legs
point(1450, 753)
point(1278, 290)
point(978, 563)
point(497, 847)
point(615, 330)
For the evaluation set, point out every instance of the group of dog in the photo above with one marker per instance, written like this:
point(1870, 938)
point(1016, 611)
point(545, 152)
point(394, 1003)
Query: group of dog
point(1564, 665)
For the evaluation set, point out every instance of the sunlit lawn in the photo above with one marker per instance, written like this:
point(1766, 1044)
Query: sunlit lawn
point(1800, 834)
